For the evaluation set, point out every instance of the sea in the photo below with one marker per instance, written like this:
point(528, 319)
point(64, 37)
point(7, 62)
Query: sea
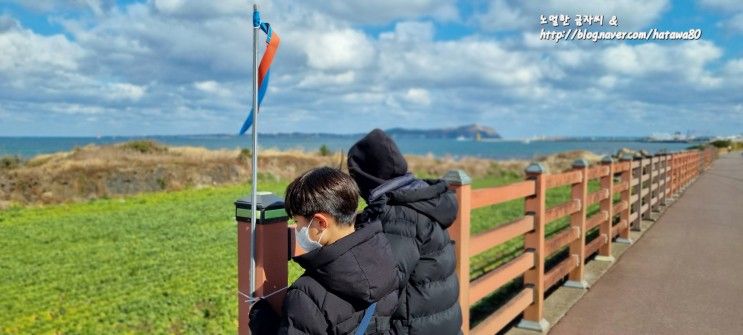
point(27, 147)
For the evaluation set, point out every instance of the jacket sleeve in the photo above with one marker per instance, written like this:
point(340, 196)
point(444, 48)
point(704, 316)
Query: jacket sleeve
point(301, 315)
point(403, 236)
point(263, 320)
point(405, 246)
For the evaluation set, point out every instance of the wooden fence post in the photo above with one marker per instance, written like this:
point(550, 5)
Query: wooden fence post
point(460, 183)
point(651, 193)
point(646, 199)
point(674, 174)
point(637, 222)
point(579, 191)
point(655, 180)
point(624, 215)
point(607, 205)
point(663, 182)
point(271, 254)
point(671, 171)
point(689, 170)
point(685, 171)
point(682, 172)
point(660, 177)
point(692, 168)
point(700, 163)
point(534, 241)
point(679, 173)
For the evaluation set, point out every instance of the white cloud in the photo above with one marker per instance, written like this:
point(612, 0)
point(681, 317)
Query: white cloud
point(469, 61)
point(624, 59)
point(75, 109)
point(686, 60)
point(410, 32)
point(322, 79)
point(500, 15)
point(8, 23)
point(735, 23)
point(185, 67)
point(732, 12)
point(202, 9)
point(608, 81)
point(418, 96)
point(734, 67)
point(338, 50)
point(384, 11)
point(212, 87)
point(364, 98)
point(125, 91)
point(24, 52)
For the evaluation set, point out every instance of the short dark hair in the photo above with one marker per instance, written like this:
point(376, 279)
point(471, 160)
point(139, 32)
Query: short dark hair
point(323, 190)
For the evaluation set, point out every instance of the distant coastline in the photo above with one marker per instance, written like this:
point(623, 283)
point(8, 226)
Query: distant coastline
point(92, 171)
point(99, 171)
point(492, 148)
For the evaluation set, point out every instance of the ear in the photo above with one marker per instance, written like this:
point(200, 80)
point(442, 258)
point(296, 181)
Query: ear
point(322, 220)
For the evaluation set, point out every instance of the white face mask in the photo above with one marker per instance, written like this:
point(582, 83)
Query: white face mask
point(303, 237)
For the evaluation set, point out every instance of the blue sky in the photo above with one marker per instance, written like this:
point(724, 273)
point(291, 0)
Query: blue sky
point(103, 67)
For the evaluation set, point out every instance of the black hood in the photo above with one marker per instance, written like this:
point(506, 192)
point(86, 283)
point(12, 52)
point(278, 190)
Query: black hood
point(373, 160)
point(359, 268)
point(431, 198)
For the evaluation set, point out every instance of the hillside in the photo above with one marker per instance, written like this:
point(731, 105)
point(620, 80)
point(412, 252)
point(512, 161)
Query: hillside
point(468, 132)
point(95, 172)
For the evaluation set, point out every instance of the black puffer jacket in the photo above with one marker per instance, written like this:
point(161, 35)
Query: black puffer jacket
point(340, 281)
point(415, 215)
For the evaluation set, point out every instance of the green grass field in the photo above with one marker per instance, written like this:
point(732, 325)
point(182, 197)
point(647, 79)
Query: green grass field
point(155, 263)
point(160, 263)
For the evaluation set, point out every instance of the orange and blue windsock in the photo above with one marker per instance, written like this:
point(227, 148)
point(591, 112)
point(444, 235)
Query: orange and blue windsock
point(272, 42)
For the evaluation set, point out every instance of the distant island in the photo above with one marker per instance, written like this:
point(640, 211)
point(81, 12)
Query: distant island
point(468, 132)
point(473, 131)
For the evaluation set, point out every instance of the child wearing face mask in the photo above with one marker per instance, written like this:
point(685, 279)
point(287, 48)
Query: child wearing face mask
point(350, 281)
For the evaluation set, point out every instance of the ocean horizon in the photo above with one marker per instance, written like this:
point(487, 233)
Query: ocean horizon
point(27, 147)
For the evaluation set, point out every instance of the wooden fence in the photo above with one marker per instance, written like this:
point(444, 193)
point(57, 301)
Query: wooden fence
point(630, 189)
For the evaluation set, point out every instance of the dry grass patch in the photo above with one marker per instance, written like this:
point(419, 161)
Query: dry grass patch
point(92, 171)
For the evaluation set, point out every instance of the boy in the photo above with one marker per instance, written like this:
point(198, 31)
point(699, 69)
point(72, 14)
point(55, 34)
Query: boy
point(346, 269)
point(415, 215)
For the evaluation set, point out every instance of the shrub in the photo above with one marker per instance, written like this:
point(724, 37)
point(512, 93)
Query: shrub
point(144, 146)
point(245, 154)
point(324, 150)
point(10, 162)
point(722, 143)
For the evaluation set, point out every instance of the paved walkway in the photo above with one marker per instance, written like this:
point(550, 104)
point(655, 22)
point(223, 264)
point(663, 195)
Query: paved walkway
point(684, 276)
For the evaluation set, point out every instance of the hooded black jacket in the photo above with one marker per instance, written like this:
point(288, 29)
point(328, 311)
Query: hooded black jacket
point(415, 214)
point(340, 281)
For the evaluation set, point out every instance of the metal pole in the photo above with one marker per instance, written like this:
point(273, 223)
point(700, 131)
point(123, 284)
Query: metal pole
point(254, 200)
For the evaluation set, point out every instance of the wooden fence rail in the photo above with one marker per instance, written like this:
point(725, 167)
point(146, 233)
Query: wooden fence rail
point(630, 188)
